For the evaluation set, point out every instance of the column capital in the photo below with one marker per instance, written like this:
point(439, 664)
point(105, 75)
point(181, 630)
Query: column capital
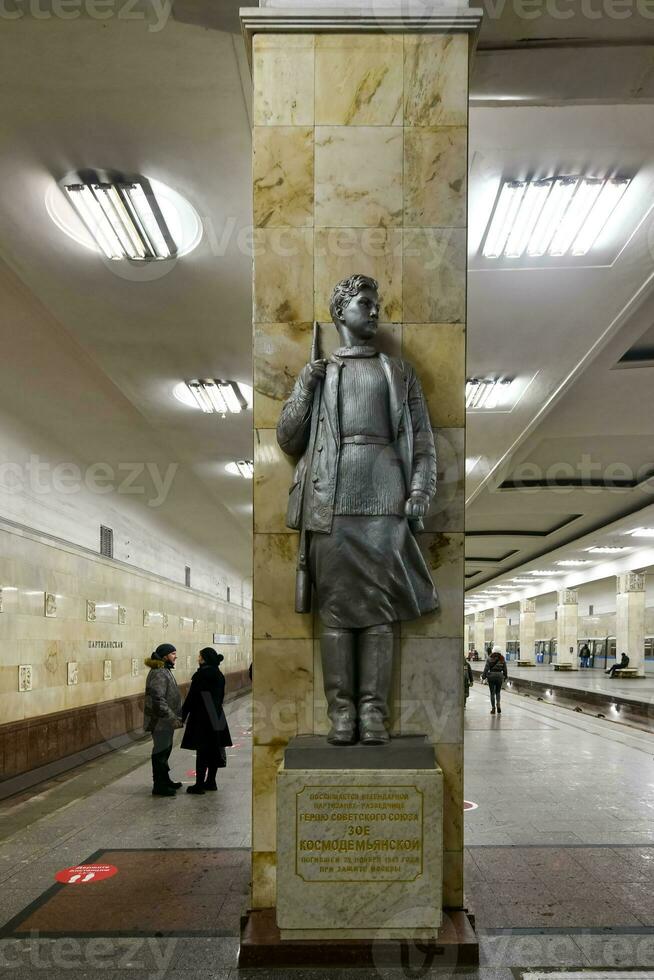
point(630, 582)
point(527, 605)
point(499, 612)
point(370, 18)
point(567, 597)
point(480, 617)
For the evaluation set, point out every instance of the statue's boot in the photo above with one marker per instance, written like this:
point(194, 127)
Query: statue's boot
point(375, 659)
point(337, 650)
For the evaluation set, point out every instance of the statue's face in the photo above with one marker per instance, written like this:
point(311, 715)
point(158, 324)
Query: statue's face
point(361, 315)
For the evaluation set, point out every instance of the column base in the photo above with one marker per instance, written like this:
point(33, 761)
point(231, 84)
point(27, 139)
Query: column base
point(456, 944)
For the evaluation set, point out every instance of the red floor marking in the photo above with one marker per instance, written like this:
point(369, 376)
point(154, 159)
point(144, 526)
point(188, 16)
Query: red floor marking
point(83, 874)
point(467, 805)
point(191, 772)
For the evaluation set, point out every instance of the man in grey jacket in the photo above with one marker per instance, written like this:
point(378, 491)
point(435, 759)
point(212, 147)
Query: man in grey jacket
point(162, 715)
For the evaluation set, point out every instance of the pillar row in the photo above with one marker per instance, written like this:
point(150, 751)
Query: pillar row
point(630, 619)
point(567, 623)
point(528, 631)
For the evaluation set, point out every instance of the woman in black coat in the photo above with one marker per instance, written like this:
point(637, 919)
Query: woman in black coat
point(206, 728)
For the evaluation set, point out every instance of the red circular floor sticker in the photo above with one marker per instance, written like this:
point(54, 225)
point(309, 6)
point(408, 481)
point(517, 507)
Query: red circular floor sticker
point(84, 874)
point(191, 772)
point(468, 805)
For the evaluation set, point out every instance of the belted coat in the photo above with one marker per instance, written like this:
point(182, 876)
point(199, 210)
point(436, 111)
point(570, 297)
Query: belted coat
point(309, 427)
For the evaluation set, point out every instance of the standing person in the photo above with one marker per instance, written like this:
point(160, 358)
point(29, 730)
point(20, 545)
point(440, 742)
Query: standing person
point(467, 679)
point(495, 673)
point(584, 655)
point(206, 730)
point(162, 714)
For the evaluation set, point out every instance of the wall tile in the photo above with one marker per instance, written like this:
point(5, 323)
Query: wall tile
point(447, 511)
point(283, 273)
point(273, 474)
point(283, 690)
point(435, 80)
point(282, 179)
point(358, 80)
point(444, 555)
point(376, 252)
point(434, 275)
point(280, 352)
point(275, 557)
point(438, 350)
point(432, 688)
point(435, 168)
point(283, 72)
point(358, 176)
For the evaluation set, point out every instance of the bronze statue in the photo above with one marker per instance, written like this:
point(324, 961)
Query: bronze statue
point(366, 474)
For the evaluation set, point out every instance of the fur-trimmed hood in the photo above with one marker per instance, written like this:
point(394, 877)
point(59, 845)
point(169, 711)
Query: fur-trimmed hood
point(153, 663)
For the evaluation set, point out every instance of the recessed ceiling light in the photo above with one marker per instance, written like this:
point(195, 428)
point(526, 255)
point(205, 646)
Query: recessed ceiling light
point(642, 532)
point(486, 393)
point(556, 216)
point(606, 549)
point(124, 217)
point(214, 395)
point(545, 574)
point(241, 467)
point(572, 562)
point(523, 581)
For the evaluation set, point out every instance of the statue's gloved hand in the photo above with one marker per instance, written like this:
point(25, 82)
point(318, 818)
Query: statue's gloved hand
point(417, 505)
point(312, 373)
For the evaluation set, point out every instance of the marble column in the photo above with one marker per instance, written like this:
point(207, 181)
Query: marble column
point(528, 631)
point(359, 165)
point(480, 633)
point(630, 619)
point(500, 624)
point(566, 627)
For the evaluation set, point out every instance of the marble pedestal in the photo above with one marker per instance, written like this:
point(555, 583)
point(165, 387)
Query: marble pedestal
point(359, 848)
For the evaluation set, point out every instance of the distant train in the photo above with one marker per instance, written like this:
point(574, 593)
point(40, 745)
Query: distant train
point(602, 650)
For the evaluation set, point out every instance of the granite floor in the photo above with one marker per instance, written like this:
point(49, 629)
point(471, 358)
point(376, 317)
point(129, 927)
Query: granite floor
point(634, 689)
point(563, 826)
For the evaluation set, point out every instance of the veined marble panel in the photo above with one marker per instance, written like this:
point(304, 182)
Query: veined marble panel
point(283, 690)
point(359, 80)
point(273, 474)
point(438, 350)
point(275, 557)
point(375, 252)
point(447, 511)
point(283, 272)
point(450, 758)
point(432, 688)
point(358, 176)
point(453, 879)
point(266, 760)
point(435, 79)
point(280, 352)
point(264, 879)
point(435, 168)
point(283, 79)
point(444, 555)
point(434, 275)
point(283, 176)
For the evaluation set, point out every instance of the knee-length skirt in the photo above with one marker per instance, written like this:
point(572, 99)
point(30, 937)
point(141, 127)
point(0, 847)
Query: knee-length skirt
point(370, 571)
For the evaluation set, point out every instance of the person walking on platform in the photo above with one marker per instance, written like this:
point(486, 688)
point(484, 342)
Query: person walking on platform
point(162, 715)
point(495, 673)
point(206, 726)
point(467, 679)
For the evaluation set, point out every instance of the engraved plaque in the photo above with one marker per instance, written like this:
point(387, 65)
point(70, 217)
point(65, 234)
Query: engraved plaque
point(135, 667)
point(73, 673)
point(25, 677)
point(106, 670)
point(90, 611)
point(122, 615)
point(50, 604)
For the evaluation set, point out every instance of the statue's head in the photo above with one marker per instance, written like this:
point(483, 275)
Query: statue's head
point(355, 306)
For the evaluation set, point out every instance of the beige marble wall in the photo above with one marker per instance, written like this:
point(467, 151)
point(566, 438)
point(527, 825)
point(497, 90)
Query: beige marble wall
point(360, 162)
point(133, 611)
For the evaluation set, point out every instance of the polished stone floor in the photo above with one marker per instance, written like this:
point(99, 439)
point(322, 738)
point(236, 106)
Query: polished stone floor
point(636, 689)
point(564, 825)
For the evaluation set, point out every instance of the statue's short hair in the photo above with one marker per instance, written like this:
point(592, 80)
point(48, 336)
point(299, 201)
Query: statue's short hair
point(345, 290)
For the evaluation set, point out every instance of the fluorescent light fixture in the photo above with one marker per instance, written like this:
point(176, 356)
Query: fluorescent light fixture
point(545, 574)
point(213, 395)
point(241, 467)
point(642, 532)
point(573, 562)
point(486, 393)
point(122, 216)
point(523, 581)
point(606, 550)
point(556, 216)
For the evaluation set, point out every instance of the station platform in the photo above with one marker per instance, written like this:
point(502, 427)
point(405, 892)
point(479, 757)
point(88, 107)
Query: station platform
point(559, 858)
point(628, 701)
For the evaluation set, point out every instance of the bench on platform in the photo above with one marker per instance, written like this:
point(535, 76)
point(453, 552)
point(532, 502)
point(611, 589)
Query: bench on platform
point(526, 663)
point(626, 672)
point(564, 667)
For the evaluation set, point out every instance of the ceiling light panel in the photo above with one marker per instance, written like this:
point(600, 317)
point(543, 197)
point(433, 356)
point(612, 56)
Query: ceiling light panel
point(213, 396)
point(607, 550)
point(555, 217)
point(642, 532)
point(487, 393)
point(241, 467)
point(574, 562)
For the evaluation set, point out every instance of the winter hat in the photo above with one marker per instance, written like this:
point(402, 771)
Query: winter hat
point(163, 650)
point(496, 649)
point(210, 656)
